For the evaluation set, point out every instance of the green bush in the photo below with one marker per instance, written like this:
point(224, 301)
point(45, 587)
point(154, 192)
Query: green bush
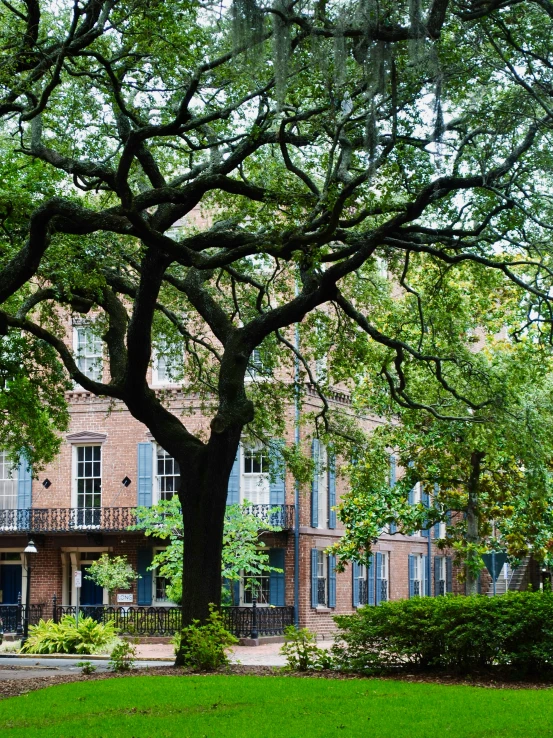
point(301, 650)
point(459, 633)
point(66, 637)
point(122, 657)
point(203, 647)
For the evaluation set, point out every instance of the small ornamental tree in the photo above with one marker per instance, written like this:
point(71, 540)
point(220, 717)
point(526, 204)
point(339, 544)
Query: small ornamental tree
point(243, 551)
point(111, 573)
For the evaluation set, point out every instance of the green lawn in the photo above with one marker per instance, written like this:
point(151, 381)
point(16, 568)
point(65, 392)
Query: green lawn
point(273, 707)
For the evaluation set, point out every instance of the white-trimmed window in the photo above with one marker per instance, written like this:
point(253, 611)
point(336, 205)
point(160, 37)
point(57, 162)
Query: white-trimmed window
point(89, 351)
point(362, 584)
point(167, 474)
point(441, 575)
point(257, 585)
point(8, 483)
point(322, 487)
point(159, 584)
point(255, 486)
point(166, 365)
point(383, 576)
point(418, 583)
point(257, 367)
point(88, 476)
point(322, 579)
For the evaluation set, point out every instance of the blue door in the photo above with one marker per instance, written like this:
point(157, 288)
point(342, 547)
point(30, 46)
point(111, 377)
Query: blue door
point(91, 594)
point(10, 583)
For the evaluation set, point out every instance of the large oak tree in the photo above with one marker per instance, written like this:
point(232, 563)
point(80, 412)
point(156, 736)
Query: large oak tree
point(320, 140)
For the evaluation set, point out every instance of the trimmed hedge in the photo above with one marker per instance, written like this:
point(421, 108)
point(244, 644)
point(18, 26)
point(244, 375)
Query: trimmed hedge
point(452, 632)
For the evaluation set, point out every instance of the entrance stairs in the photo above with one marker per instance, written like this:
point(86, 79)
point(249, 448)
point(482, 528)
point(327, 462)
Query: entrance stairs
point(517, 581)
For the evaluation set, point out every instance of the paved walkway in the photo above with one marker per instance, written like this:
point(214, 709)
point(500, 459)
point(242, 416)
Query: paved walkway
point(267, 654)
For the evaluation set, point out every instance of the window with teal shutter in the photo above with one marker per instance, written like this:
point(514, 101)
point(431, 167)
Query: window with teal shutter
point(144, 584)
point(426, 581)
point(378, 592)
point(412, 573)
point(370, 582)
point(24, 494)
point(277, 596)
point(331, 490)
point(145, 478)
point(448, 574)
point(393, 479)
point(315, 484)
point(314, 578)
point(425, 499)
point(233, 489)
point(332, 581)
point(277, 491)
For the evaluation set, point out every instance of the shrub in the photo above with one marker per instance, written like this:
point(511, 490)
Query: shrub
point(66, 637)
point(462, 633)
point(203, 646)
point(122, 657)
point(87, 667)
point(301, 651)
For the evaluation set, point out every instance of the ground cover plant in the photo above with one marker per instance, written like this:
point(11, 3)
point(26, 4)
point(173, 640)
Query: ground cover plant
point(454, 633)
point(66, 636)
point(271, 707)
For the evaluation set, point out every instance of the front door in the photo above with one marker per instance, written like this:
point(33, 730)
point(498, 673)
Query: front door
point(10, 583)
point(91, 594)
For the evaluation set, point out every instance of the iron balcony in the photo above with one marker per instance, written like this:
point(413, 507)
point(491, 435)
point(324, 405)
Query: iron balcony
point(108, 519)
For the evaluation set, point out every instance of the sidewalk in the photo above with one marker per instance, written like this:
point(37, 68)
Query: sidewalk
point(268, 654)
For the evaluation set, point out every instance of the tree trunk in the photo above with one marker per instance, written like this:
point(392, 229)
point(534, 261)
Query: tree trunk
point(473, 532)
point(203, 496)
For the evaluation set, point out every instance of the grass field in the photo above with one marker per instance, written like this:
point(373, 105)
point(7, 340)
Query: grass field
point(272, 707)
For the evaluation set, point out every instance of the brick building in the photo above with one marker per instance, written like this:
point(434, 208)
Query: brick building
point(82, 505)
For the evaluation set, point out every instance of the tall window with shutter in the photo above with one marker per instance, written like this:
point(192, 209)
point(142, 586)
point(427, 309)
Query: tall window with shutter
point(419, 586)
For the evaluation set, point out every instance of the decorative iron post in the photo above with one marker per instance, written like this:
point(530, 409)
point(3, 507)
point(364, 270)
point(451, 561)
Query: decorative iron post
point(254, 634)
point(19, 625)
point(55, 609)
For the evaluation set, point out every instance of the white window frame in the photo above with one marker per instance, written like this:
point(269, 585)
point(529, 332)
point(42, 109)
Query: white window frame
point(155, 476)
point(166, 381)
point(9, 478)
point(155, 602)
point(322, 574)
point(384, 572)
point(420, 574)
point(262, 483)
point(74, 478)
point(265, 577)
point(99, 358)
point(322, 487)
point(362, 576)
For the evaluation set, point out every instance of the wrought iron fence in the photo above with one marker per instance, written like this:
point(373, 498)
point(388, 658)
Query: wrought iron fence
point(363, 590)
point(166, 621)
point(110, 519)
point(12, 617)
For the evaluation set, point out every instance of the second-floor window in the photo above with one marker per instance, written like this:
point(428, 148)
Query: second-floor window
point(88, 348)
point(88, 476)
point(167, 475)
point(255, 485)
point(8, 483)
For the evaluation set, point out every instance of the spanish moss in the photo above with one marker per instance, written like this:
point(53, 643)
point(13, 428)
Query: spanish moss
point(281, 51)
point(416, 43)
point(371, 132)
point(247, 23)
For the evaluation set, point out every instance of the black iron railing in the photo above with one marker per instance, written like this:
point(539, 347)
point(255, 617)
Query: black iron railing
point(321, 591)
point(441, 587)
point(166, 621)
point(383, 590)
point(110, 519)
point(12, 617)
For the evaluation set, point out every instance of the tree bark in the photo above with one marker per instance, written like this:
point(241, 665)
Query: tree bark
point(473, 533)
point(203, 496)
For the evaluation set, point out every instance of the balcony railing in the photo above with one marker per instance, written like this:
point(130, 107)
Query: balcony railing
point(108, 519)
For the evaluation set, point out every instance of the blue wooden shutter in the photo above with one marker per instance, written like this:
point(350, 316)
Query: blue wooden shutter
point(411, 575)
point(370, 581)
point(332, 581)
point(355, 584)
point(314, 582)
point(24, 485)
point(424, 562)
point(393, 479)
point(277, 489)
point(233, 489)
point(425, 499)
point(437, 561)
point(378, 593)
point(331, 490)
point(276, 579)
point(144, 585)
point(145, 481)
point(448, 574)
point(315, 484)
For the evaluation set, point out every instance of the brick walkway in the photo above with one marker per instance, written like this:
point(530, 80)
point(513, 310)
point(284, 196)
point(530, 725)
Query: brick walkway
point(267, 654)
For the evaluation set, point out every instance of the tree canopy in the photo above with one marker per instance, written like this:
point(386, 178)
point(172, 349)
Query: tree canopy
point(214, 175)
